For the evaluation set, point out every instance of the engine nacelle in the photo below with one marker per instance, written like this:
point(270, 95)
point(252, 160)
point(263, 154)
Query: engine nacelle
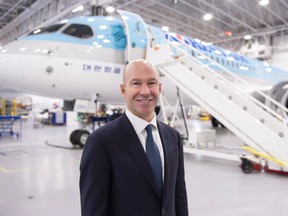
point(279, 93)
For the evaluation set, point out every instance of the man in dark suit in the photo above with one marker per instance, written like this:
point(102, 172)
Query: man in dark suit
point(117, 177)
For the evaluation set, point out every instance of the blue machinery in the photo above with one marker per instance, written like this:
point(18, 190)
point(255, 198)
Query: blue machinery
point(7, 125)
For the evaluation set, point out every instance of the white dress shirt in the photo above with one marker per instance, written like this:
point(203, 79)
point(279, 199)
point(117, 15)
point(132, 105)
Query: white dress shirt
point(139, 126)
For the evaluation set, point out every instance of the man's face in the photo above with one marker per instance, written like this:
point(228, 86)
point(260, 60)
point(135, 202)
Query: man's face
point(141, 89)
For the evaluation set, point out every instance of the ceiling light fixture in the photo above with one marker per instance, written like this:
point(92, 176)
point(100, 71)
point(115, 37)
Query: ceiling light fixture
point(110, 9)
point(207, 17)
point(64, 21)
point(37, 31)
point(79, 8)
point(264, 2)
point(247, 37)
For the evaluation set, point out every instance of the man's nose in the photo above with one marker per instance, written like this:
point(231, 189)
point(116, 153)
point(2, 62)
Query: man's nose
point(145, 89)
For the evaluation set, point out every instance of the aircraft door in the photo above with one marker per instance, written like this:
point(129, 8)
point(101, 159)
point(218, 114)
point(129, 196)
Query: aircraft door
point(137, 35)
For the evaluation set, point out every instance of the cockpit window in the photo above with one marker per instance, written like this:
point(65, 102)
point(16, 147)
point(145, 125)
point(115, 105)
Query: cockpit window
point(48, 29)
point(79, 30)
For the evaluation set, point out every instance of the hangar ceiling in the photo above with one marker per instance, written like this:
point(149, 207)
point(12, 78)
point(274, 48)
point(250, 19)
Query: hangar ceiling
point(232, 19)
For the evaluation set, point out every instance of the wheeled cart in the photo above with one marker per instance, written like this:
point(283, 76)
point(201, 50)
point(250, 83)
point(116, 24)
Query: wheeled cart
point(261, 162)
point(7, 125)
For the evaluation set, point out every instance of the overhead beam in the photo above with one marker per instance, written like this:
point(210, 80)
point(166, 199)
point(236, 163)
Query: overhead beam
point(205, 35)
point(204, 12)
point(249, 14)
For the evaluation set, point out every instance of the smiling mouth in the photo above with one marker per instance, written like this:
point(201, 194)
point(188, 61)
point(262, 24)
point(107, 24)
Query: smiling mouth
point(145, 101)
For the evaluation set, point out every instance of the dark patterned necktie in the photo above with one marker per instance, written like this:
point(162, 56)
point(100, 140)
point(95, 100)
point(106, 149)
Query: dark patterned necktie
point(153, 156)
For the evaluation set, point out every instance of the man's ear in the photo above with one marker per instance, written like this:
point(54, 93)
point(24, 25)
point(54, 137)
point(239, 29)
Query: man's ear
point(122, 89)
point(160, 87)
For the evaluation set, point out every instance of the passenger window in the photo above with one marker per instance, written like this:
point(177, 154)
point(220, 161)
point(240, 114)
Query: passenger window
point(79, 30)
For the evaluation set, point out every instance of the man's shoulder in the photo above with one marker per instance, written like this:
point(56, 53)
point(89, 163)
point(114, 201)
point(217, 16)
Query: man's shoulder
point(111, 125)
point(167, 127)
point(164, 125)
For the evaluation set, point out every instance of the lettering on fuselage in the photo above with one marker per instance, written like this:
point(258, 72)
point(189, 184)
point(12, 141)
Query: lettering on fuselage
point(204, 48)
point(81, 107)
point(101, 68)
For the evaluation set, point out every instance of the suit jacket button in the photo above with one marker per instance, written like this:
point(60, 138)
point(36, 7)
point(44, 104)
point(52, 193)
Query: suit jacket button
point(163, 211)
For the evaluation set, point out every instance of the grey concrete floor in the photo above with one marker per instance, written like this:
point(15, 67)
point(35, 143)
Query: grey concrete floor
point(37, 179)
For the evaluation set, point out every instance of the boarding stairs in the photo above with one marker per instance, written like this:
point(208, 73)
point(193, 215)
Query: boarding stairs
point(224, 95)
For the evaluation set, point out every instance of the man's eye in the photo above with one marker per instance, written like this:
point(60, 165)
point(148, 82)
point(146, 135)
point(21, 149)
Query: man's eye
point(152, 83)
point(135, 83)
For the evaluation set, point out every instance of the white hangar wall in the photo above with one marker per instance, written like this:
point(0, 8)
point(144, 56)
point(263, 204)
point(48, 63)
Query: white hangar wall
point(280, 52)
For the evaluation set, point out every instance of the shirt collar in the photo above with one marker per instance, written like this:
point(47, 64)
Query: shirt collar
point(138, 123)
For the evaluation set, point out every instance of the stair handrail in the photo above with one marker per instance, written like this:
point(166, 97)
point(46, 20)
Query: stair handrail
point(237, 79)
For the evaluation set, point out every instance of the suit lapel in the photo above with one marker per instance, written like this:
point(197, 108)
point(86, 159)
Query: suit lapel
point(168, 159)
point(135, 149)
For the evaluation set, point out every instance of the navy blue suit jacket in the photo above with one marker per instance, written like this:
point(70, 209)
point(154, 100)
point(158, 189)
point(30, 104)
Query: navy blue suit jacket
point(116, 177)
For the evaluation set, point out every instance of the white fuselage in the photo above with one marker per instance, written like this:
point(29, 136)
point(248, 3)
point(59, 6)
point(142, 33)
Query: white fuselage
point(62, 70)
point(65, 70)
point(58, 64)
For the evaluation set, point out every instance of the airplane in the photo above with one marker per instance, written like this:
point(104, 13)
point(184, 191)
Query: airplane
point(84, 57)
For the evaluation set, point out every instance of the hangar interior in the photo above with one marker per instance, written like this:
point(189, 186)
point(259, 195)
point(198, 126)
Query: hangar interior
point(39, 168)
point(232, 20)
